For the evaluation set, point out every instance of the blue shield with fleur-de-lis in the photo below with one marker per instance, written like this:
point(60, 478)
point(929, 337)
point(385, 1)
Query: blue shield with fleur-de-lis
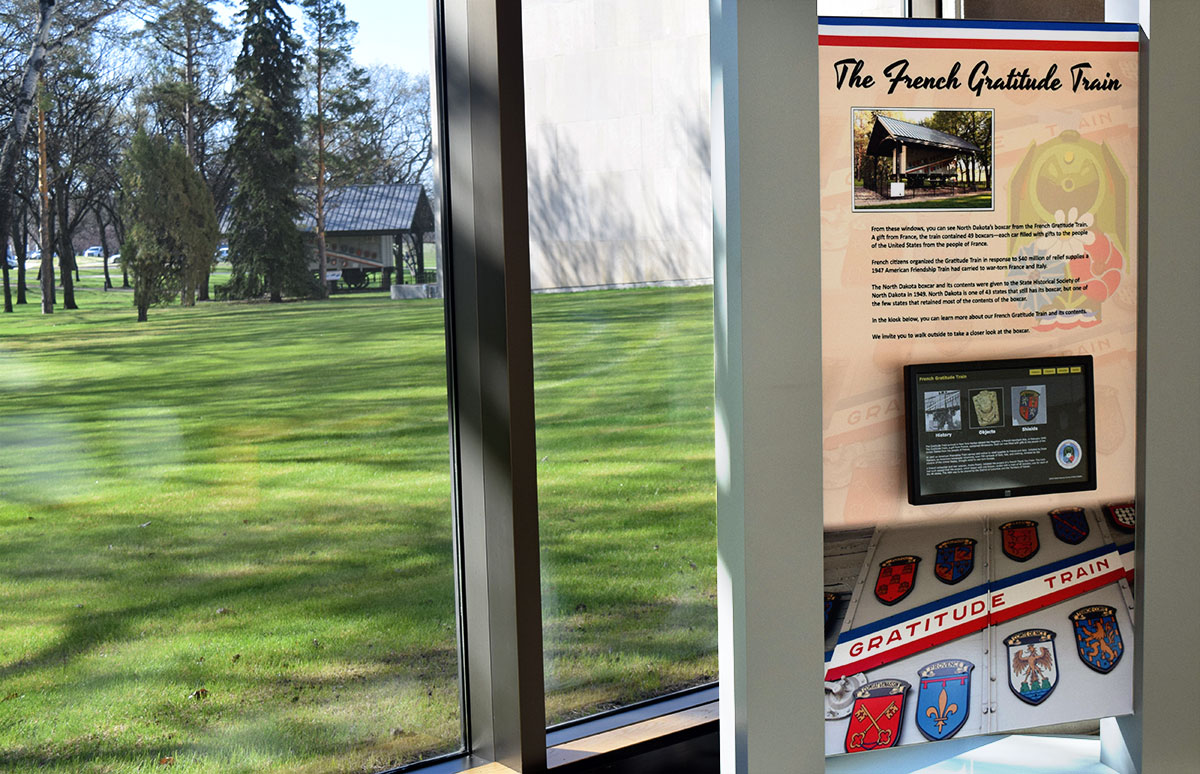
point(943, 698)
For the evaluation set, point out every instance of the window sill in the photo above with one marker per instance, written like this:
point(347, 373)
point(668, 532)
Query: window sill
point(598, 741)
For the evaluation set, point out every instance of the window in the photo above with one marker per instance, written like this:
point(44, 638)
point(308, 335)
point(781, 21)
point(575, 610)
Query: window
point(621, 268)
point(228, 529)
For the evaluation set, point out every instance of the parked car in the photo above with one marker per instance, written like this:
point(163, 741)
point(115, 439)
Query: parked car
point(12, 261)
point(222, 254)
point(95, 251)
point(114, 258)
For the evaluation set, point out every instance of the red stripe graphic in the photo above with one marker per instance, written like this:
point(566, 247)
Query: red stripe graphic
point(991, 618)
point(908, 648)
point(1009, 613)
point(981, 43)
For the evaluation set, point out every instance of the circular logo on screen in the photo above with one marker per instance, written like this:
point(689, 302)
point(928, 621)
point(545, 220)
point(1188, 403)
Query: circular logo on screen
point(1069, 454)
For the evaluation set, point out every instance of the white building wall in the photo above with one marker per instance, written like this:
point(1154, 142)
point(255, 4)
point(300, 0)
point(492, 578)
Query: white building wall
point(617, 116)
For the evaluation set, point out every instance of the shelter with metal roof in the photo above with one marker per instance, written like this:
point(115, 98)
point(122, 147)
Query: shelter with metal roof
point(372, 229)
point(918, 153)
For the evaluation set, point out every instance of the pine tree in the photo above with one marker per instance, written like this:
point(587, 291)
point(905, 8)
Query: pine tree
point(330, 31)
point(188, 35)
point(171, 224)
point(265, 249)
point(189, 46)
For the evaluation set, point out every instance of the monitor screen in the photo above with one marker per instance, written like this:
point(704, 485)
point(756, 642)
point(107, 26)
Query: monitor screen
point(999, 428)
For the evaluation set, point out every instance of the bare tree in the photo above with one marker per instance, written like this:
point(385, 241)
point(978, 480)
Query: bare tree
point(44, 27)
point(84, 96)
point(403, 141)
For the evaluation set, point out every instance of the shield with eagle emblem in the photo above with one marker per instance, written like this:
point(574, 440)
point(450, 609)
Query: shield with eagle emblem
point(1032, 664)
point(943, 698)
point(1097, 638)
point(897, 576)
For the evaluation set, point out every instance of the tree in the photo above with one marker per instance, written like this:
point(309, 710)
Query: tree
point(974, 126)
point(84, 92)
point(401, 145)
point(189, 49)
point(72, 19)
point(172, 226)
point(265, 249)
point(193, 39)
point(330, 31)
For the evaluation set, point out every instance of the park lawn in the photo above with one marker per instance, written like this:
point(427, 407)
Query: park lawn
point(980, 201)
point(249, 503)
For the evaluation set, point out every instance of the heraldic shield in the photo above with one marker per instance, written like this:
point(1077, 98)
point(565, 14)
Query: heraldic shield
point(955, 560)
point(1070, 525)
point(897, 576)
point(1019, 539)
point(875, 719)
point(1097, 638)
point(1123, 516)
point(943, 698)
point(1027, 404)
point(1032, 664)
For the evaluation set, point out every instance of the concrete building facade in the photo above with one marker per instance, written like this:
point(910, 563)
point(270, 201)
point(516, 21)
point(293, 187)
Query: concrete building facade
point(617, 117)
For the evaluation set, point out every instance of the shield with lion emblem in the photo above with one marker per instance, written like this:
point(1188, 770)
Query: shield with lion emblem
point(1097, 638)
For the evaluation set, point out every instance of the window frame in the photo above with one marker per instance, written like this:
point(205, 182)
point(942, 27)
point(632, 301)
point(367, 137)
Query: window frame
point(479, 136)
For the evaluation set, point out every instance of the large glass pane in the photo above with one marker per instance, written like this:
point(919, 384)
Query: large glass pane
point(620, 214)
point(226, 530)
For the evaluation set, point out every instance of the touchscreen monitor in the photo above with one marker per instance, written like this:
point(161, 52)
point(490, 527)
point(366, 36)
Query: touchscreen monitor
point(999, 428)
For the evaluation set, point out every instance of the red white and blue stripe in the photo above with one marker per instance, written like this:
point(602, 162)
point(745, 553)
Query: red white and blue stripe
point(976, 35)
point(972, 610)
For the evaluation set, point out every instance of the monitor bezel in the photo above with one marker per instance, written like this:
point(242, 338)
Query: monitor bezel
point(913, 420)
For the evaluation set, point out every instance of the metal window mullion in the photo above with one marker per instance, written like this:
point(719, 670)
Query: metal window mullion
point(491, 373)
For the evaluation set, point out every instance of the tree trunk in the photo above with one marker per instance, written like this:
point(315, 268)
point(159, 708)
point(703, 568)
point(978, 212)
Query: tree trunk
point(22, 109)
point(189, 75)
point(67, 265)
point(103, 249)
point(141, 313)
point(20, 238)
point(322, 255)
point(47, 270)
point(8, 307)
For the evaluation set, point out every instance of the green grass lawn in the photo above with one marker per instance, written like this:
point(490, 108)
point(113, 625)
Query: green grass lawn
point(979, 201)
point(226, 532)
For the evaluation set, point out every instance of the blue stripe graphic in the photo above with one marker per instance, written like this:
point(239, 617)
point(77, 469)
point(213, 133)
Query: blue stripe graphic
point(980, 24)
point(954, 599)
point(916, 612)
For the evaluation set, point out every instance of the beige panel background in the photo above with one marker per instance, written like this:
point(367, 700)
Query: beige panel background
point(863, 412)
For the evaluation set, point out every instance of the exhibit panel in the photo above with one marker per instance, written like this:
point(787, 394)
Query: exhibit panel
point(1036, 610)
point(979, 347)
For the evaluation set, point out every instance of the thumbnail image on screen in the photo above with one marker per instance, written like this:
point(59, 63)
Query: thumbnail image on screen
point(999, 428)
